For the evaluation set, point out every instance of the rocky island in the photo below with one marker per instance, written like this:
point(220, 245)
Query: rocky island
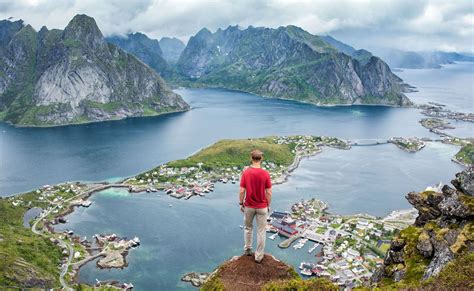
point(412, 144)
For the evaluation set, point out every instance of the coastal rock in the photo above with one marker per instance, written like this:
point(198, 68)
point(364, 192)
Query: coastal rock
point(464, 181)
point(442, 233)
point(196, 279)
point(440, 259)
point(424, 245)
point(426, 207)
point(452, 206)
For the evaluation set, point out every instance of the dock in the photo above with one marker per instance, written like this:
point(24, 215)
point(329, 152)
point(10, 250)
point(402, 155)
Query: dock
point(287, 242)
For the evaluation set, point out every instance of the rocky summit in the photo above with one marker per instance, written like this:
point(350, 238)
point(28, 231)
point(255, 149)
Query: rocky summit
point(288, 63)
point(56, 77)
point(243, 273)
point(438, 250)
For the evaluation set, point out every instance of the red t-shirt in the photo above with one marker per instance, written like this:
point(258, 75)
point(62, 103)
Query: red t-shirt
point(255, 181)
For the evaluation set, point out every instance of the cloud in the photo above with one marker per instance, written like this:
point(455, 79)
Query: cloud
point(403, 24)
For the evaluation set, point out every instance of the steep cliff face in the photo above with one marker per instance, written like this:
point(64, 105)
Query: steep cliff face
point(438, 250)
point(55, 77)
point(172, 48)
point(145, 49)
point(287, 62)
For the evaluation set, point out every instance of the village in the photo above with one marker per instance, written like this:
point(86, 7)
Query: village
point(411, 144)
point(347, 249)
point(197, 180)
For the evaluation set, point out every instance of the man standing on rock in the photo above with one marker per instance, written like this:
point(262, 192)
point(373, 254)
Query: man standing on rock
point(255, 198)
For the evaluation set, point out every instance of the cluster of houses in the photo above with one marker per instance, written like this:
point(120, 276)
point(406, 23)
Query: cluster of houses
point(310, 142)
point(341, 242)
point(187, 182)
point(411, 144)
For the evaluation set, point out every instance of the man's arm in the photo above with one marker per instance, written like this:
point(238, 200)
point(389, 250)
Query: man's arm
point(241, 198)
point(268, 196)
point(242, 195)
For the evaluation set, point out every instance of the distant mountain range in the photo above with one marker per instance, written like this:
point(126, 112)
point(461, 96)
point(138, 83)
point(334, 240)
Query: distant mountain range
point(289, 63)
point(56, 77)
point(403, 59)
point(421, 60)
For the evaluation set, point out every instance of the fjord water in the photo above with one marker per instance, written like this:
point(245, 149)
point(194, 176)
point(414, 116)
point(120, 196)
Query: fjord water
point(31, 157)
point(200, 233)
point(453, 85)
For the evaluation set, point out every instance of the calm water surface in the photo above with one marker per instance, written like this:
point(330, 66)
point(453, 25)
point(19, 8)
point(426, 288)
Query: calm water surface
point(31, 157)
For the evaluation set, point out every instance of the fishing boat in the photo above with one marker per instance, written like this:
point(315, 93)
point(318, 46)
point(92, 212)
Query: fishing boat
point(306, 272)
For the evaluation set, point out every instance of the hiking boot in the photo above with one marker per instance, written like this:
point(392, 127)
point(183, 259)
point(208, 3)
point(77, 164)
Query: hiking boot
point(248, 252)
point(259, 261)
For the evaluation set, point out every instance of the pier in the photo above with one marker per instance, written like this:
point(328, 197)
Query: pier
point(287, 242)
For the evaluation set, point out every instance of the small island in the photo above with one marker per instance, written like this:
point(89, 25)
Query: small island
point(412, 144)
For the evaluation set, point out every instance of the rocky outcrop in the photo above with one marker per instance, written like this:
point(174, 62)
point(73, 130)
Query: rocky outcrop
point(288, 62)
point(55, 77)
point(443, 232)
point(243, 273)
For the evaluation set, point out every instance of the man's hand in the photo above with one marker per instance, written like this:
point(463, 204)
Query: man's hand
point(242, 208)
point(269, 209)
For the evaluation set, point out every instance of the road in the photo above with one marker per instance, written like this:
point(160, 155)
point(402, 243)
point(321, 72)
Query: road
point(63, 244)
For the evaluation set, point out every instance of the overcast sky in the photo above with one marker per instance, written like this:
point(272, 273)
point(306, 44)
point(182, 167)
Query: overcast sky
point(404, 24)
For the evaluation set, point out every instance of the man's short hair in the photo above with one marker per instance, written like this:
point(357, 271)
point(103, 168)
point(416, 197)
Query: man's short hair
point(256, 155)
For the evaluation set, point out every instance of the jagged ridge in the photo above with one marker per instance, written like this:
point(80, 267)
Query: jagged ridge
point(287, 62)
point(55, 77)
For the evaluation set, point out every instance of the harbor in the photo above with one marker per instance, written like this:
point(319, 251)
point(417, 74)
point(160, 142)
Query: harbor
point(346, 249)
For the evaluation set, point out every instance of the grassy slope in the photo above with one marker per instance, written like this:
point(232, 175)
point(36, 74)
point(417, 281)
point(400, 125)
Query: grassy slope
point(230, 153)
point(466, 154)
point(26, 259)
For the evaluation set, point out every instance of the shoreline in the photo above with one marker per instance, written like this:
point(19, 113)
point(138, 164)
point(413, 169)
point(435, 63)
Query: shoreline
point(92, 121)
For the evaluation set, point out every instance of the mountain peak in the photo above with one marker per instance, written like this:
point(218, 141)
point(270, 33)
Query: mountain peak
point(84, 29)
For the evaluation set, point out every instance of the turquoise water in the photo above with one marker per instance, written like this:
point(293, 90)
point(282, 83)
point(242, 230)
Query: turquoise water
point(200, 233)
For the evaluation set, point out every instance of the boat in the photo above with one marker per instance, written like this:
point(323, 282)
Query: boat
point(273, 236)
point(135, 241)
point(86, 203)
point(313, 248)
point(171, 205)
point(306, 272)
point(241, 226)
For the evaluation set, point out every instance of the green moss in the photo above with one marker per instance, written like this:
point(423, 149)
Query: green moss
point(457, 275)
point(213, 284)
point(299, 284)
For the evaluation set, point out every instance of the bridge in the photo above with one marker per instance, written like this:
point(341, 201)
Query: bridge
point(368, 142)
